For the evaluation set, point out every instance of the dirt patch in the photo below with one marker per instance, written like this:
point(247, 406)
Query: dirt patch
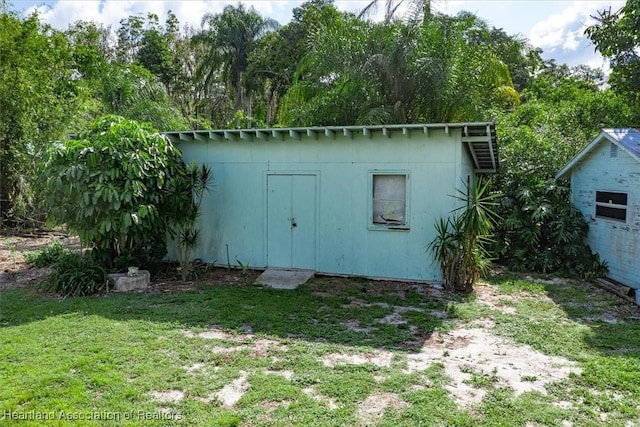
point(14, 271)
point(328, 285)
point(354, 325)
point(287, 375)
point(312, 393)
point(194, 368)
point(230, 394)
point(258, 347)
point(261, 346)
point(488, 295)
point(271, 405)
point(380, 358)
point(216, 334)
point(168, 395)
point(374, 407)
point(476, 359)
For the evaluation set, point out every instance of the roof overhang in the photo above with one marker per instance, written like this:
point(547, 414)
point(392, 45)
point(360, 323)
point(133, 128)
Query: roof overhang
point(611, 135)
point(479, 138)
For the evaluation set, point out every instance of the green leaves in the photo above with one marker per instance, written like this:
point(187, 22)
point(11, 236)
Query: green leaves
point(461, 240)
point(115, 184)
point(543, 232)
point(37, 98)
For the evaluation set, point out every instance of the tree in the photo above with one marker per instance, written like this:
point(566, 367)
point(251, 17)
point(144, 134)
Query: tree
point(616, 37)
point(126, 88)
point(38, 96)
point(541, 230)
point(229, 37)
point(118, 186)
point(419, 9)
point(359, 72)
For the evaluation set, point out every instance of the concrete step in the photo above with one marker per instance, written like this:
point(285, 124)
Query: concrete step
point(284, 279)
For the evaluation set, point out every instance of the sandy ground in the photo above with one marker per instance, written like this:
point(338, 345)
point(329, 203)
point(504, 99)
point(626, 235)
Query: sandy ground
point(468, 352)
point(14, 272)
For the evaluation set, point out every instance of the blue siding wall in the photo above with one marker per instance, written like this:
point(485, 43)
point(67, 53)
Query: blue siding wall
point(617, 242)
point(234, 213)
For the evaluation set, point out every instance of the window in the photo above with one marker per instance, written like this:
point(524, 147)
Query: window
point(611, 205)
point(389, 200)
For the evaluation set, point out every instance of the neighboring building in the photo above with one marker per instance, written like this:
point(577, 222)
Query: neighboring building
point(605, 187)
point(352, 200)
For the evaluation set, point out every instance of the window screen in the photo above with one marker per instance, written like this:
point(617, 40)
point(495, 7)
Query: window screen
point(611, 205)
point(611, 198)
point(390, 199)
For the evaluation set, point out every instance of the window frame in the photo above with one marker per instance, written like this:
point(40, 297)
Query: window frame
point(374, 226)
point(600, 198)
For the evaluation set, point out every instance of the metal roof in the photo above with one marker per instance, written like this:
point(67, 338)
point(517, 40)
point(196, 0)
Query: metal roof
point(627, 139)
point(479, 138)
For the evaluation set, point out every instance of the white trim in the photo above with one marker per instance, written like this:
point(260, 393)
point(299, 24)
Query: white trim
point(371, 226)
point(624, 208)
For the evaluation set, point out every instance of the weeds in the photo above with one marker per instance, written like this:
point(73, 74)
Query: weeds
point(76, 275)
point(46, 256)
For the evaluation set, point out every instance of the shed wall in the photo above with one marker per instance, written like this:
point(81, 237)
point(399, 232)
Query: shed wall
point(617, 242)
point(234, 212)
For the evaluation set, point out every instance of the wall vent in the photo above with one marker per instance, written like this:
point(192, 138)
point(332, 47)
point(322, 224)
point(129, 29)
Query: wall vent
point(613, 153)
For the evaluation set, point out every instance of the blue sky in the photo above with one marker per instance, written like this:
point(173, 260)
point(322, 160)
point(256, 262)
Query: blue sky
point(555, 26)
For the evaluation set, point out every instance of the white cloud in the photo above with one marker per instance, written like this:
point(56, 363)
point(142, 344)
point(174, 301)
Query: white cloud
point(564, 31)
point(62, 13)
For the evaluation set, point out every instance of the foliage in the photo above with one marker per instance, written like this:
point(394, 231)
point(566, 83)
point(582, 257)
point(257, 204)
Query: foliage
point(615, 35)
point(76, 275)
point(147, 257)
point(187, 233)
point(460, 242)
point(38, 95)
point(360, 72)
point(543, 232)
point(241, 121)
point(115, 186)
point(46, 256)
point(229, 37)
point(138, 85)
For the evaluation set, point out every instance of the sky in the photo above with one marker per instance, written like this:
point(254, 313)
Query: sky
point(555, 26)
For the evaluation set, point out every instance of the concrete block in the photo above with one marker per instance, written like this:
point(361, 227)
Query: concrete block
point(284, 279)
point(122, 282)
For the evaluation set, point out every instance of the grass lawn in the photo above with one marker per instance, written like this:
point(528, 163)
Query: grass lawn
point(333, 352)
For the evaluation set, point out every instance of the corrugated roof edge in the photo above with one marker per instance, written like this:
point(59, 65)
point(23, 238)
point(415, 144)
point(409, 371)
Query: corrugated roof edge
point(629, 142)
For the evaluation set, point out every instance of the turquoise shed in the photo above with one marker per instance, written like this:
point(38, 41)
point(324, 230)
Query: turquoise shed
point(348, 200)
point(605, 187)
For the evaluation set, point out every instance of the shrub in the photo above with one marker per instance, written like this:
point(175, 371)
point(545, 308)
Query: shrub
point(115, 186)
point(459, 245)
point(76, 275)
point(46, 256)
point(149, 257)
point(543, 232)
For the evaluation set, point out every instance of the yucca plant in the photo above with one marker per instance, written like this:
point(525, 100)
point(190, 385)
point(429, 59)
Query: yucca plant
point(188, 198)
point(459, 246)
